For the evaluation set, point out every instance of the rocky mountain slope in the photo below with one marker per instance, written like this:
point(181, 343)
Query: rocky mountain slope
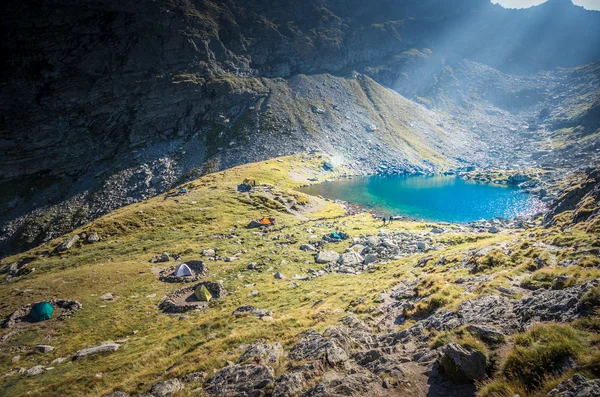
point(107, 103)
point(490, 308)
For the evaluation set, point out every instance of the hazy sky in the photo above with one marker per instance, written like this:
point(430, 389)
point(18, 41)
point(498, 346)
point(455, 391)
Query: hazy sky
point(591, 4)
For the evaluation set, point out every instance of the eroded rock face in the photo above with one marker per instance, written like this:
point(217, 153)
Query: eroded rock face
point(315, 346)
point(262, 352)
point(577, 386)
point(241, 380)
point(554, 305)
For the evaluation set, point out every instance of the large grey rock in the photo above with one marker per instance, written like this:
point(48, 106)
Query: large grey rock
point(370, 258)
point(36, 370)
point(44, 348)
point(307, 247)
point(350, 259)
point(105, 347)
point(577, 386)
point(241, 380)
point(166, 388)
point(462, 363)
point(67, 244)
point(92, 238)
point(327, 257)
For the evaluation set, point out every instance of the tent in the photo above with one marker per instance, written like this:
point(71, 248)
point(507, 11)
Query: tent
point(183, 270)
point(202, 293)
point(41, 311)
point(265, 221)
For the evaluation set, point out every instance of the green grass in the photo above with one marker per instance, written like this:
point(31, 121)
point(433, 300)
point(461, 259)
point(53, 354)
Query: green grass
point(215, 215)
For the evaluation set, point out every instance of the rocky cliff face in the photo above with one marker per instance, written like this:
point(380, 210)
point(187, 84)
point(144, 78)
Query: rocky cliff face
point(107, 103)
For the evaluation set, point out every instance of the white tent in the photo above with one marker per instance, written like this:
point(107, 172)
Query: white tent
point(183, 270)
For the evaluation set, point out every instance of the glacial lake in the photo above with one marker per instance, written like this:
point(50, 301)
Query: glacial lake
point(431, 198)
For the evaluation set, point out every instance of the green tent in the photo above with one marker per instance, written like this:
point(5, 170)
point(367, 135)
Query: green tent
point(41, 311)
point(202, 293)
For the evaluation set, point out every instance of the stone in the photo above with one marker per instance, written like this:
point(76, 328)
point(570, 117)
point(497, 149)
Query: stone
point(253, 311)
point(358, 248)
point(164, 257)
point(36, 370)
point(307, 247)
point(67, 244)
point(107, 297)
point(279, 276)
point(437, 230)
point(370, 258)
point(422, 245)
point(254, 292)
point(493, 229)
point(105, 347)
point(44, 348)
point(166, 388)
point(350, 259)
point(488, 335)
point(92, 238)
point(327, 257)
point(208, 252)
point(241, 380)
point(388, 243)
point(462, 363)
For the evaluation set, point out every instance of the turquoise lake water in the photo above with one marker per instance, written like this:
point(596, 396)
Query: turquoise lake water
point(432, 198)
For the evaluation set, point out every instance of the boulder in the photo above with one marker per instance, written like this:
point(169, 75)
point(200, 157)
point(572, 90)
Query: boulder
point(208, 252)
point(279, 276)
point(307, 247)
point(241, 380)
point(105, 347)
point(488, 335)
point(44, 348)
point(164, 257)
point(38, 369)
point(462, 363)
point(370, 258)
point(116, 394)
point(327, 257)
point(92, 238)
point(422, 245)
point(166, 388)
point(350, 259)
point(67, 244)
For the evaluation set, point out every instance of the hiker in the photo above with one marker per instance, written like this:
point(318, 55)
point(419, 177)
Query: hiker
point(384, 221)
point(184, 191)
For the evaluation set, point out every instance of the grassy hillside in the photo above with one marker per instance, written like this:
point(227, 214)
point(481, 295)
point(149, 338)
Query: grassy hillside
point(157, 346)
